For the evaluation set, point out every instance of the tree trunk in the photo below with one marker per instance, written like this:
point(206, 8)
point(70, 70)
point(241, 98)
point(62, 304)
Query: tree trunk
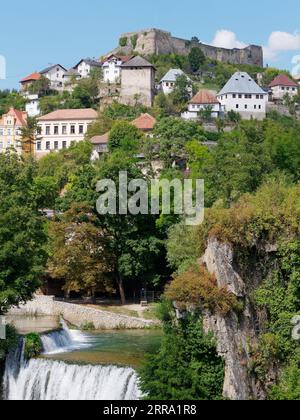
point(121, 290)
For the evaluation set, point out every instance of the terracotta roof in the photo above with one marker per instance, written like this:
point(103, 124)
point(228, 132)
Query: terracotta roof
point(70, 114)
point(100, 139)
point(144, 122)
point(283, 80)
point(20, 117)
point(31, 78)
point(204, 97)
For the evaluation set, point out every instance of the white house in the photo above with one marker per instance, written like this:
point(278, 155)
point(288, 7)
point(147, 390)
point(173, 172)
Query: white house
point(59, 129)
point(55, 74)
point(282, 85)
point(168, 82)
point(32, 105)
point(112, 67)
point(243, 95)
point(203, 100)
point(85, 67)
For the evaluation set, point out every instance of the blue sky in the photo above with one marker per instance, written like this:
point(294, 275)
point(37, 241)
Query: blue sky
point(33, 34)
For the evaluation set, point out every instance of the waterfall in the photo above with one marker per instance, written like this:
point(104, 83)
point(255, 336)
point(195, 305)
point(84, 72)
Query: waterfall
point(64, 340)
point(47, 380)
point(41, 379)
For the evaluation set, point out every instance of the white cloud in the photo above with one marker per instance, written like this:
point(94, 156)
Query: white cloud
point(278, 42)
point(227, 39)
point(284, 41)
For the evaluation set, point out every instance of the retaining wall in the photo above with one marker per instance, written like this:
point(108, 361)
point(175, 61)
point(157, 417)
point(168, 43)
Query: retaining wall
point(79, 315)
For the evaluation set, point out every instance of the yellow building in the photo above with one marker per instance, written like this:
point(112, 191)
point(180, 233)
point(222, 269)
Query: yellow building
point(10, 130)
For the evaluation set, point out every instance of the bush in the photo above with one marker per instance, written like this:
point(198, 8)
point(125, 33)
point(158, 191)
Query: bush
point(199, 287)
point(87, 326)
point(123, 41)
point(33, 346)
point(134, 40)
point(10, 342)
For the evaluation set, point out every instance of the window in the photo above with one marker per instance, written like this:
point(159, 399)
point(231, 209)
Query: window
point(56, 145)
point(237, 106)
point(47, 145)
point(72, 129)
point(81, 129)
point(48, 130)
point(38, 146)
point(64, 144)
point(64, 129)
point(234, 96)
point(261, 96)
point(282, 88)
point(240, 96)
point(259, 107)
point(257, 96)
point(255, 106)
point(246, 106)
point(56, 130)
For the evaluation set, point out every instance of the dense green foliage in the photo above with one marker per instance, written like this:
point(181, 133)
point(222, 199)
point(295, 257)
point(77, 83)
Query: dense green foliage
point(9, 343)
point(21, 232)
point(33, 346)
point(187, 366)
point(10, 99)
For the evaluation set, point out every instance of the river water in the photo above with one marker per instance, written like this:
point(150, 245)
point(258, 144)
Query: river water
point(79, 366)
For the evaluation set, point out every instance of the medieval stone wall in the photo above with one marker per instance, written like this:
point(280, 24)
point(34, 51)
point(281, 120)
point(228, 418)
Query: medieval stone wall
point(155, 41)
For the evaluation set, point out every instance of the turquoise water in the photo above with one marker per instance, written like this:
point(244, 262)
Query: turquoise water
point(123, 348)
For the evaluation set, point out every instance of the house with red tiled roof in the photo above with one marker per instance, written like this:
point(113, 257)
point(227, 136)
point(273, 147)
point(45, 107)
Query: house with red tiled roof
point(283, 85)
point(203, 100)
point(10, 130)
point(61, 128)
point(28, 80)
point(144, 122)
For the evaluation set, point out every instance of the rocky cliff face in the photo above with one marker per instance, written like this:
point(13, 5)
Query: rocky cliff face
point(156, 41)
point(235, 334)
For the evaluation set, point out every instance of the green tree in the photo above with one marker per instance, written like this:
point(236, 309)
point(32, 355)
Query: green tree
point(134, 241)
point(21, 233)
point(40, 87)
point(79, 252)
point(187, 366)
point(182, 92)
point(196, 58)
point(125, 136)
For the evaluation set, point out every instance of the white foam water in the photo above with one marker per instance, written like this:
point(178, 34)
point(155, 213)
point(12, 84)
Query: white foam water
point(46, 380)
point(64, 340)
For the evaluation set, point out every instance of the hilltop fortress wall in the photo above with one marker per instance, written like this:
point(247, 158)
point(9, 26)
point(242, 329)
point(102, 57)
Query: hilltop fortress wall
point(156, 41)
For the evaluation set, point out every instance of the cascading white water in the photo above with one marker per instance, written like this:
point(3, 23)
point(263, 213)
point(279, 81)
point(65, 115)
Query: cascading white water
point(64, 340)
point(41, 379)
point(47, 380)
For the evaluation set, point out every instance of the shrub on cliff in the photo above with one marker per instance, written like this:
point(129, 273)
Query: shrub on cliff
point(199, 288)
point(33, 346)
